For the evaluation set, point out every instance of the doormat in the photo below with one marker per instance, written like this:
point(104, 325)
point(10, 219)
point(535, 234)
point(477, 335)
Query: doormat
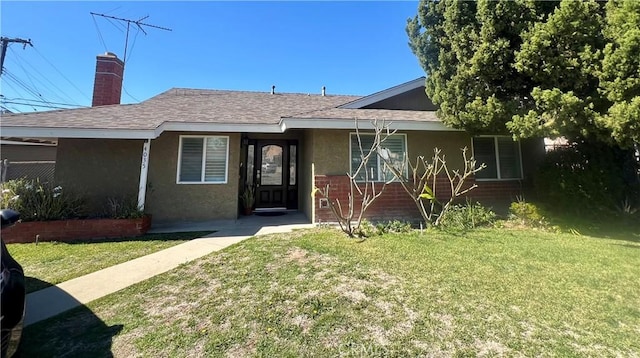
point(269, 213)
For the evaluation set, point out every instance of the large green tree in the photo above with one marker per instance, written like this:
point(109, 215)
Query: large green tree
point(568, 68)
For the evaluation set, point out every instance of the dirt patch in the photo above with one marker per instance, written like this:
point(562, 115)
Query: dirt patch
point(302, 321)
point(446, 326)
point(296, 254)
point(351, 293)
point(490, 348)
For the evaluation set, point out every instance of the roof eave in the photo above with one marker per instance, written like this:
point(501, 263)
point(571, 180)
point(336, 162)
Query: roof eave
point(49, 132)
point(329, 123)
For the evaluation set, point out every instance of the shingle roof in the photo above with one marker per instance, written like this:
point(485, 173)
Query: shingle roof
point(200, 110)
point(370, 114)
point(183, 105)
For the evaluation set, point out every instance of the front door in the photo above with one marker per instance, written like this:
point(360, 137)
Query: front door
point(272, 173)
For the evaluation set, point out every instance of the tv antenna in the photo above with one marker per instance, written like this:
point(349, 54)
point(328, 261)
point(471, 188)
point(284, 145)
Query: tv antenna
point(138, 23)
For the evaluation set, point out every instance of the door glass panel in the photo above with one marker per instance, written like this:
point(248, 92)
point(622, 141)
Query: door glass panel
point(250, 159)
point(292, 165)
point(271, 170)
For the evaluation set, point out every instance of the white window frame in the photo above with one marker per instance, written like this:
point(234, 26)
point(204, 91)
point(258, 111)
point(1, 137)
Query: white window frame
point(204, 160)
point(497, 156)
point(378, 161)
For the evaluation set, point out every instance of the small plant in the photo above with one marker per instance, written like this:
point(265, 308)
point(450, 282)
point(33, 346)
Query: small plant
point(123, 208)
point(366, 229)
point(526, 214)
point(468, 216)
point(37, 201)
point(248, 197)
point(626, 207)
point(394, 226)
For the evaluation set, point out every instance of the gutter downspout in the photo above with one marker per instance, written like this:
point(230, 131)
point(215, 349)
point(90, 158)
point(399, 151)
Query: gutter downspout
point(144, 170)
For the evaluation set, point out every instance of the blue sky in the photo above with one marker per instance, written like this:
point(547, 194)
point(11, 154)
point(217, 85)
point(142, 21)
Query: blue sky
point(349, 47)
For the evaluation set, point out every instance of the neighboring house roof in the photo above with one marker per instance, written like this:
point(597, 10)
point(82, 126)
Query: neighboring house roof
point(201, 110)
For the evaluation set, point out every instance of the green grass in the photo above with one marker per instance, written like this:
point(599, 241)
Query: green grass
point(50, 263)
point(489, 292)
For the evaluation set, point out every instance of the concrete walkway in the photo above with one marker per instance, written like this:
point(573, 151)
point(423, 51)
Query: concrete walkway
point(79, 291)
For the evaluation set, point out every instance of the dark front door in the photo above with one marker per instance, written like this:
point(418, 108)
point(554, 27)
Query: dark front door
point(272, 174)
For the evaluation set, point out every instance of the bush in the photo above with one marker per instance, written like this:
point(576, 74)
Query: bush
point(468, 216)
point(368, 229)
point(395, 226)
point(526, 214)
point(588, 176)
point(38, 201)
point(123, 208)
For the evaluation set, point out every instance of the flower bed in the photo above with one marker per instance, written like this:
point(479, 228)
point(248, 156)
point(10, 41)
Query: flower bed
point(68, 230)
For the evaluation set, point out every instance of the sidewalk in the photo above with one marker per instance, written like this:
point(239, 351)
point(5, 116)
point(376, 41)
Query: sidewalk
point(79, 291)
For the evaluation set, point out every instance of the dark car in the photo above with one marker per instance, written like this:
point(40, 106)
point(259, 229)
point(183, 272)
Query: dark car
point(13, 293)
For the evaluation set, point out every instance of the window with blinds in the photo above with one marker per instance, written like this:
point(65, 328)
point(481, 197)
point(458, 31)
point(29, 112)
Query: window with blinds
point(203, 159)
point(392, 148)
point(501, 155)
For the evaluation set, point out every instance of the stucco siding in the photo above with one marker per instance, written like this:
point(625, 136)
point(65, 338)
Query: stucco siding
point(331, 151)
point(99, 169)
point(449, 143)
point(169, 201)
point(331, 148)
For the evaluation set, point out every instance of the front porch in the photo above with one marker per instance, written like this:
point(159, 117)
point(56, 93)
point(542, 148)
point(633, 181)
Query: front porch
point(244, 225)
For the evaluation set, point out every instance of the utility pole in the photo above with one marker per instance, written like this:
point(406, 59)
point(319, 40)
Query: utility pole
point(5, 42)
point(138, 23)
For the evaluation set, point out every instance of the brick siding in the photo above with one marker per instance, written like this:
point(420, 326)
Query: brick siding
point(395, 203)
point(68, 230)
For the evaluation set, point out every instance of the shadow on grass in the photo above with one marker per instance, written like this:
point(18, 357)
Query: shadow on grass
point(77, 333)
point(57, 324)
point(602, 224)
point(176, 236)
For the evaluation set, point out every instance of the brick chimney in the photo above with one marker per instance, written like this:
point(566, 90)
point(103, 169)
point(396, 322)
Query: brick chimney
point(108, 82)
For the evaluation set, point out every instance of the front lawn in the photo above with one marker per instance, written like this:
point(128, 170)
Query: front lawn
point(50, 263)
point(490, 292)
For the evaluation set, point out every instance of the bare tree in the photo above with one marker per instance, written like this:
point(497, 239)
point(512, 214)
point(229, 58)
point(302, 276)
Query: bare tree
point(363, 188)
point(420, 181)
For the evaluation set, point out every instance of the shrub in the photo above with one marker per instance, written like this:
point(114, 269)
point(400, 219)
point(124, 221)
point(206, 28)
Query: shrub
point(365, 229)
point(369, 229)
point(395, 226)
point(38, 201)
point(467, 216)
point(123, 208)
point(587, 176)
point(526, 214)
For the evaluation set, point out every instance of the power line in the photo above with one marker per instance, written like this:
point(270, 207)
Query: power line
point(58, 89)
point(35, 105)
point(10, 109)
point(129, 94)
point(39, 101)
point(22, 67)
point(20, 83)
point(61, 74)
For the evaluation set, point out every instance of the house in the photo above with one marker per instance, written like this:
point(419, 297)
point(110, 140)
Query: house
point(188, 153)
